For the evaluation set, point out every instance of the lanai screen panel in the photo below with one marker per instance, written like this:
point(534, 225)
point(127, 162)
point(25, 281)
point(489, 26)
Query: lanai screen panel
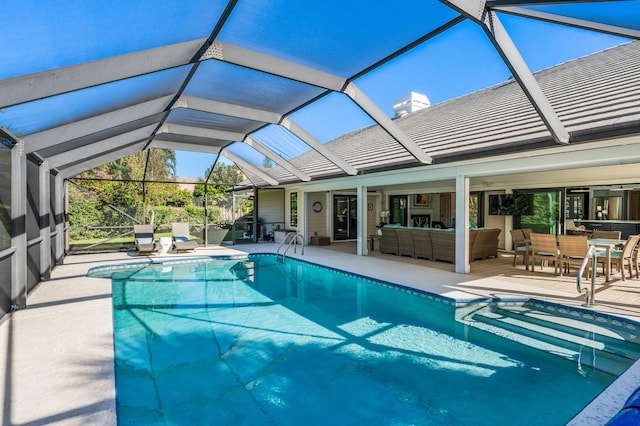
point(200, 119)
point(622, 14)
point(5, 193)
point(5, 223)
point(32, 224)
point(242, 86)
point(337, 37)
point(260, 162)
point(70, 32)
point(332, 116)
point(72, 107)
point(296, 151)
point(280, 140)
point(198, 164)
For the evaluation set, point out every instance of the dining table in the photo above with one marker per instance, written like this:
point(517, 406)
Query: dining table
point(604, 243)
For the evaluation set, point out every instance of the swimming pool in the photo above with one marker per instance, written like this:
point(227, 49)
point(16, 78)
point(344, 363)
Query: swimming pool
point(254, 341)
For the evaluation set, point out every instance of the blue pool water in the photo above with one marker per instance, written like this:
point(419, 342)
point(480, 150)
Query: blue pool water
point(253, 341)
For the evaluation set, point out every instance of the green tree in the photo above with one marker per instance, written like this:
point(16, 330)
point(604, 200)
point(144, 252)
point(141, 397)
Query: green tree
point(222, 180)
point(114, 195)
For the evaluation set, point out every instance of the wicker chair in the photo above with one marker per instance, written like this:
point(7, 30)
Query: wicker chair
point(389, 241)
point(606, 235)
point(573, 249)
point(635, 259)
point(519, 244)
point(405, 242)
point(545, 248)
point(625, 256)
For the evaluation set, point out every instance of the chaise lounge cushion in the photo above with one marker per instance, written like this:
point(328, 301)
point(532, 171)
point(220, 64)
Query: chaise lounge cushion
point(181, 238)
point(144, 239)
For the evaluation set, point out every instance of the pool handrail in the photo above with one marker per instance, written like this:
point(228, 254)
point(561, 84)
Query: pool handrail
point(290, 238)
point(590, 256)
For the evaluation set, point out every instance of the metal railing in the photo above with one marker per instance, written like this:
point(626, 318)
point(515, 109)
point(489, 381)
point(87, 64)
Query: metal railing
point(591, 256)
point(289, 239)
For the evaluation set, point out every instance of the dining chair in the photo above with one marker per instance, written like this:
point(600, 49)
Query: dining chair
point(623, 257)
point(573, 249)
point(527, 232)
point(519, 244)
point(636, 260)
point(606, 235)
point(545, 248)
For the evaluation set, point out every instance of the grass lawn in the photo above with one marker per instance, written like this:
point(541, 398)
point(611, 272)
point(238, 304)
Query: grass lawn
point(120, 243)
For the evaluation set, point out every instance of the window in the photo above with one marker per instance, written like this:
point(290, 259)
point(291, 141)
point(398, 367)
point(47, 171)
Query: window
point(293, 209)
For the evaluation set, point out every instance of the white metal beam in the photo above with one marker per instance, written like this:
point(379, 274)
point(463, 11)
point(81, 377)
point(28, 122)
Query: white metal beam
point(271, 65)
point(571, 22)
point(48, 83)
point(315, 144)
point(245, 165)
point(57, 135)
point(100, 159)
point(385, 123)
point(488, 20)
point(224, 108)
point(106, 145)
point(201, 132)
point(262, 149)
point(182, 146)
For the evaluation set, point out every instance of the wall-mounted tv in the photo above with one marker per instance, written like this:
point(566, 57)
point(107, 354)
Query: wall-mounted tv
point(510, 204)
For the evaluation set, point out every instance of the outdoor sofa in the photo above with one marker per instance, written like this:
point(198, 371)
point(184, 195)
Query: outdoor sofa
point(437, 244)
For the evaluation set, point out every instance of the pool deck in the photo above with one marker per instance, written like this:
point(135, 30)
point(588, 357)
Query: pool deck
point(58, 356)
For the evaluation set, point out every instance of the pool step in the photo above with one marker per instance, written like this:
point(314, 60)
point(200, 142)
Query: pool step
point(605, 346)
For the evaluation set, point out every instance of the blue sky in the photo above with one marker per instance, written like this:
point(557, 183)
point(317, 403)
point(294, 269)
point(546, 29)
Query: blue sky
point(458, 62)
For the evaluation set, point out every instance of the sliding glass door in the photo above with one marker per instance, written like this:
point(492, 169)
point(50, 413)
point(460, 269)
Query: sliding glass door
point(546, 214)
point(345, 217)
point(398, 209)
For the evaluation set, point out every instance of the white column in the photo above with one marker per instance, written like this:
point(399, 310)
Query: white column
point(303, 211)
point(45, 217)
point(19, 225)
point(329, 214)
point(462, 224)
point(363, 249)
point(508, 225)
point(59, 217)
